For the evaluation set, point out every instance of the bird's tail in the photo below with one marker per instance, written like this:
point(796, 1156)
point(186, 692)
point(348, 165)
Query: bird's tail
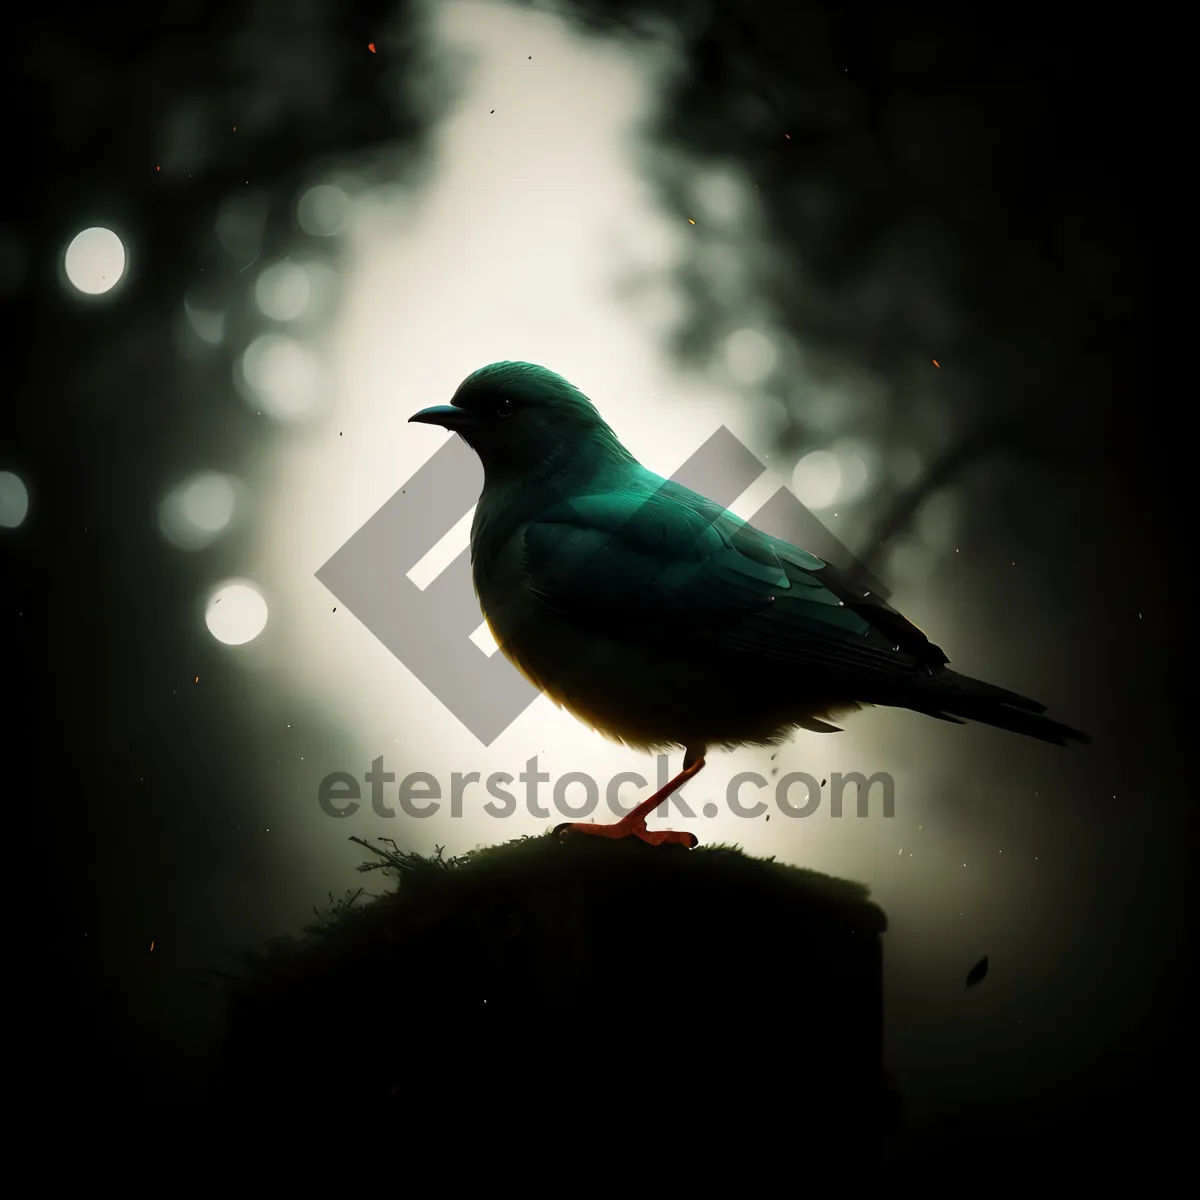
point(950, 696)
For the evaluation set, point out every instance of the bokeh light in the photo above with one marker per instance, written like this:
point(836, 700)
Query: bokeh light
point(14, 501)
point(199, 509)
point(95, 261)
point(853, 459)
point(283, 291)
point(817, 479)
point(236, 613)
point(322, 210)
point(279, 376)
point(750, 356)
point(426, 294)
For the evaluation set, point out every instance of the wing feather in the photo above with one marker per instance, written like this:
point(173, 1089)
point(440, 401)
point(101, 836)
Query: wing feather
point(661, 561)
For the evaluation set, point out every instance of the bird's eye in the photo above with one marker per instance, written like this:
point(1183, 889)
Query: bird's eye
point(504, 407)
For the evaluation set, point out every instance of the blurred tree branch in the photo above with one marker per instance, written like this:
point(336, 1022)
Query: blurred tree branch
point(1008, 438)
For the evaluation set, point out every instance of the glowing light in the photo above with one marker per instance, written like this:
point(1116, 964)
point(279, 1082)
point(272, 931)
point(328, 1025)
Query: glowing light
point(322, 210)
point(853, 458)
point(430, 291)
point(95, 261)
point(14, 501)
point(750, 356)
point(236, 613)
point(283, 291)
point(279, 376)
point(200, 508)
point(817, 479)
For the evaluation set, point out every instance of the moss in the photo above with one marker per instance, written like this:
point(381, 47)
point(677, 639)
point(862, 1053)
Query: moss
point(568, 970)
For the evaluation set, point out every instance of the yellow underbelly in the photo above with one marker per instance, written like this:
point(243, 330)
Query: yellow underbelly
point(678, 701)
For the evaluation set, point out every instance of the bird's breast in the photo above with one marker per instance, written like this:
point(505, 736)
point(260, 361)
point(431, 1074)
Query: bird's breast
point(529, 634)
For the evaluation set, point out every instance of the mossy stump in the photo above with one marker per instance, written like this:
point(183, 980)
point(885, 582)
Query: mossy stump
point(535, 979)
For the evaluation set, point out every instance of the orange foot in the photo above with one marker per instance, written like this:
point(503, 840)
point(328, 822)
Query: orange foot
point(634, 823)
point(627, 828)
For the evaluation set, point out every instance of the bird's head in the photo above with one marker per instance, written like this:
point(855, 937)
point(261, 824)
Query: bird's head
point(519, 417)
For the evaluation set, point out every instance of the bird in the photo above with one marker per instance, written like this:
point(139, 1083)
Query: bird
point(663, 621)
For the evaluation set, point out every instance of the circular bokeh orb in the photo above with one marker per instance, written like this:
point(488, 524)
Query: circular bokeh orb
point(14, 500)
point(95, 261)
point(322, 210)
point(199, 509)
point(236, 613)
point(817, 479)
point(279, 376)
point(283, 291)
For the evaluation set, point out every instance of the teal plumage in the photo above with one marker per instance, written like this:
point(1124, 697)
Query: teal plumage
point(660, 618)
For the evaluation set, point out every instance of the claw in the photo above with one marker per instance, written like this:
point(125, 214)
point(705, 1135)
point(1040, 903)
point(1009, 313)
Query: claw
point(625, 829)
point(634, 824)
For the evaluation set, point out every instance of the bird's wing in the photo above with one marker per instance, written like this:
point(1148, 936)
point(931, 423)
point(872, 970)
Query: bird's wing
point(657, 562)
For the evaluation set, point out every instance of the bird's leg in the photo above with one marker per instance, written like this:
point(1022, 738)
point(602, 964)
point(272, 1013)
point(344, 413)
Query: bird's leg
point(633, 824)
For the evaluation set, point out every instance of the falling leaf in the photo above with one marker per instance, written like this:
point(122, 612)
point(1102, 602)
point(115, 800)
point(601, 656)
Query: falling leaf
point(371, 47)
point(977, 972)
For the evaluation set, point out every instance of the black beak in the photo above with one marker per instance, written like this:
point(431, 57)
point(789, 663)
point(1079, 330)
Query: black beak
point(447, 416)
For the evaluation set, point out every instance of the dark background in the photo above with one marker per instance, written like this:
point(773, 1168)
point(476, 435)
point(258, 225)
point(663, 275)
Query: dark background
point(960, 160)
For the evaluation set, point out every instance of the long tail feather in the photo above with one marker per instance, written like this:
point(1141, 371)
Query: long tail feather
point(950, 696)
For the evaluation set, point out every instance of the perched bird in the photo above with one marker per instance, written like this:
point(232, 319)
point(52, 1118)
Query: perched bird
point(661, 619)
